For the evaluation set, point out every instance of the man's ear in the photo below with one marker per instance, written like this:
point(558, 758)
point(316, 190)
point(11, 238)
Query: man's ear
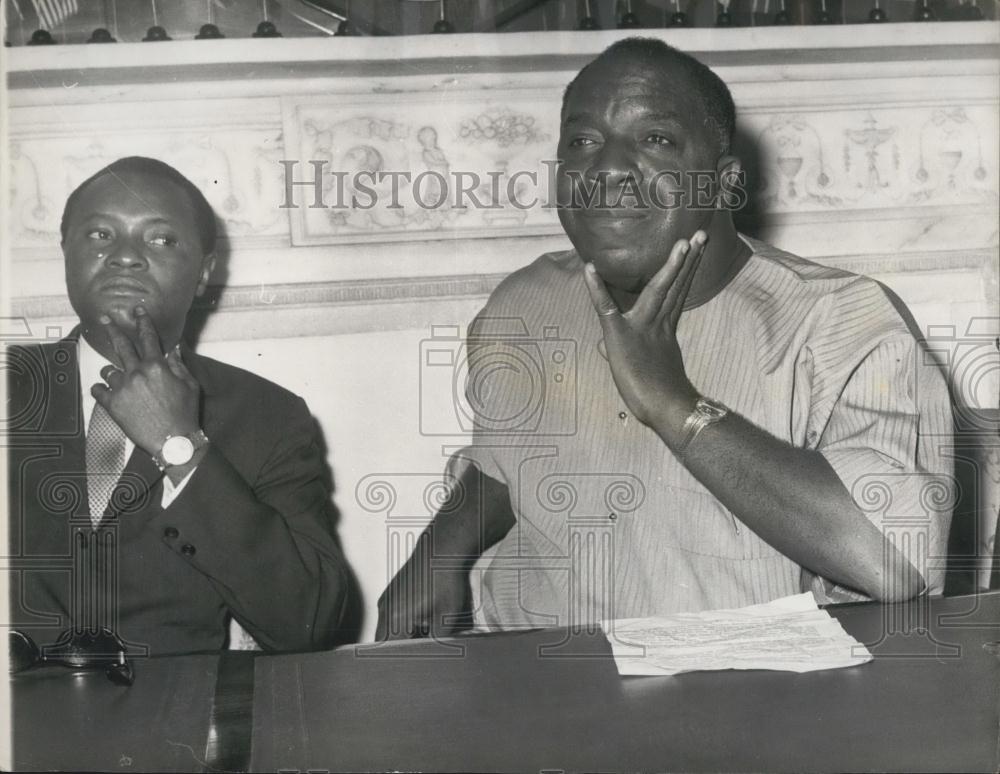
point(732, 193)
point(207, 267)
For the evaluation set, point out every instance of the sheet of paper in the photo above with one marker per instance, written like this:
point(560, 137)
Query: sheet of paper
point(789, 634)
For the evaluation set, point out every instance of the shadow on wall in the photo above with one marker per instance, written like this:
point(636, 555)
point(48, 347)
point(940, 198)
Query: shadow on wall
point(753, 220)
point(976, 516)
point(208, 303)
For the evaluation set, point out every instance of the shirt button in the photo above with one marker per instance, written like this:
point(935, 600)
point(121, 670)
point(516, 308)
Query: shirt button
point(170, 533)
point(188, 550)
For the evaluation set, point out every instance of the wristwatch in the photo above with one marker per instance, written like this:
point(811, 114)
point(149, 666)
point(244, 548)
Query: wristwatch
point(179, 449)
point(706, 412)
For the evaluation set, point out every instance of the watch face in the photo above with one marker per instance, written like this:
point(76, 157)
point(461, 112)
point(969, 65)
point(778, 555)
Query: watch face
point(177, 450)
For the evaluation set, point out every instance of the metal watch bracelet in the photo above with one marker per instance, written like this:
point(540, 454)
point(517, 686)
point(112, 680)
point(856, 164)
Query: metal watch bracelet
point(706, 412)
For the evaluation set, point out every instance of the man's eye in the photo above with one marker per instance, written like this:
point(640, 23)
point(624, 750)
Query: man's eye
point(99, 233)
point(659, 139)
point(579, 142)
point(163, 240)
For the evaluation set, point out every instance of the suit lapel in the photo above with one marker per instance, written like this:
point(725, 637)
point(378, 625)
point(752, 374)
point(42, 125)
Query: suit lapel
point(62, 423)
point(133, 494)
point(64, 415)
point(64, 418)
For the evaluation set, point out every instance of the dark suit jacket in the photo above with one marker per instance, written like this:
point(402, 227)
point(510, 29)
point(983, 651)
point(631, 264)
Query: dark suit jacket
point(251, 533)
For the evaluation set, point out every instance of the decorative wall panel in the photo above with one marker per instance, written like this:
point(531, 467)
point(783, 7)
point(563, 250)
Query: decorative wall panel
point(237, 169)
point(874, 159)
point(409, 168)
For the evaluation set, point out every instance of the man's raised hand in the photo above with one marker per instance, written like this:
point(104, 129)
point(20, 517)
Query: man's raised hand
point(641, 344)
point(150, 396)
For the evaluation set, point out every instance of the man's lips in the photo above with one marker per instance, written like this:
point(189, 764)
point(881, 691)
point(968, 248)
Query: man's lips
point(616, 223)
point(124, 286)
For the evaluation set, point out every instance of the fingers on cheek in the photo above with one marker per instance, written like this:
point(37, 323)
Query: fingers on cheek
point(678, 261)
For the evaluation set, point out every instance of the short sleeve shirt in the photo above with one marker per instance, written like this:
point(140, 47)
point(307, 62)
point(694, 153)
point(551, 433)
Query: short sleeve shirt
point(610, 524)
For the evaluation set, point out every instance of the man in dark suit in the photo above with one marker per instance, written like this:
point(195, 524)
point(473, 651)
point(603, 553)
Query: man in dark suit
point(154, 491)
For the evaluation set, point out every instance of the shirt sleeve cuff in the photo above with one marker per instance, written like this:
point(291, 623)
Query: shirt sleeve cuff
point(172, 490)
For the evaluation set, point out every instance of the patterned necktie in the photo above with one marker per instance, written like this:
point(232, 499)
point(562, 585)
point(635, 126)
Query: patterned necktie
point(105, 460)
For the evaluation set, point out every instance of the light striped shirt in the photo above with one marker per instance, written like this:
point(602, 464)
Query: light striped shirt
point(609, 523)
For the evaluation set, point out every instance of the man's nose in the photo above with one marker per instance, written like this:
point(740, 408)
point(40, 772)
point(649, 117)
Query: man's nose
point(127, 253)
point(615, 164)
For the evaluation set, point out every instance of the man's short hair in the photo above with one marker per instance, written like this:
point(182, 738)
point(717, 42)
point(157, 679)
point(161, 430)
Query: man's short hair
point(204, 216)
point(710, 90)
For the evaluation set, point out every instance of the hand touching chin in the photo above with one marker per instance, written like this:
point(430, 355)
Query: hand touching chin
point(121, 313)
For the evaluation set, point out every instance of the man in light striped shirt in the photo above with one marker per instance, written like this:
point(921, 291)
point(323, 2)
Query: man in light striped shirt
point(673, 417)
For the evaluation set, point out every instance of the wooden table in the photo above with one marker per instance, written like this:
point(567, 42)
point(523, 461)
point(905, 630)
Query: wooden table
point(534, 701)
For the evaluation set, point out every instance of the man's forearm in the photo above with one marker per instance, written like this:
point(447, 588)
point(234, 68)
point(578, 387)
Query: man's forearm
point(793, 499)
point(476, 516)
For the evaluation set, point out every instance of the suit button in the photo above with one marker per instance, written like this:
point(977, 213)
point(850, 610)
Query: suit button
point(171, 533)
point(188, 550)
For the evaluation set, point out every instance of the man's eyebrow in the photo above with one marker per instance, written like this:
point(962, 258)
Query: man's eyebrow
point(662, 116)
point(113, 216)
point(658, 115)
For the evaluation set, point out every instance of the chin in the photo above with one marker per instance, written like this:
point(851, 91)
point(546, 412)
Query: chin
point(613, 271)
point(625, 284)
point(121, 313)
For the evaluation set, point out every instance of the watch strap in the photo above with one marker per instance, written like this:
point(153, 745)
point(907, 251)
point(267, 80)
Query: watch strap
point(706, 412)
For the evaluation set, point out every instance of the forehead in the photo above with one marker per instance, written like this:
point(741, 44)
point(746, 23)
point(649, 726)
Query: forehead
point(130, 194)
point(640, 83)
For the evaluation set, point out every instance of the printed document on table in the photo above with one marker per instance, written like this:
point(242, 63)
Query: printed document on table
point(789, 634)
